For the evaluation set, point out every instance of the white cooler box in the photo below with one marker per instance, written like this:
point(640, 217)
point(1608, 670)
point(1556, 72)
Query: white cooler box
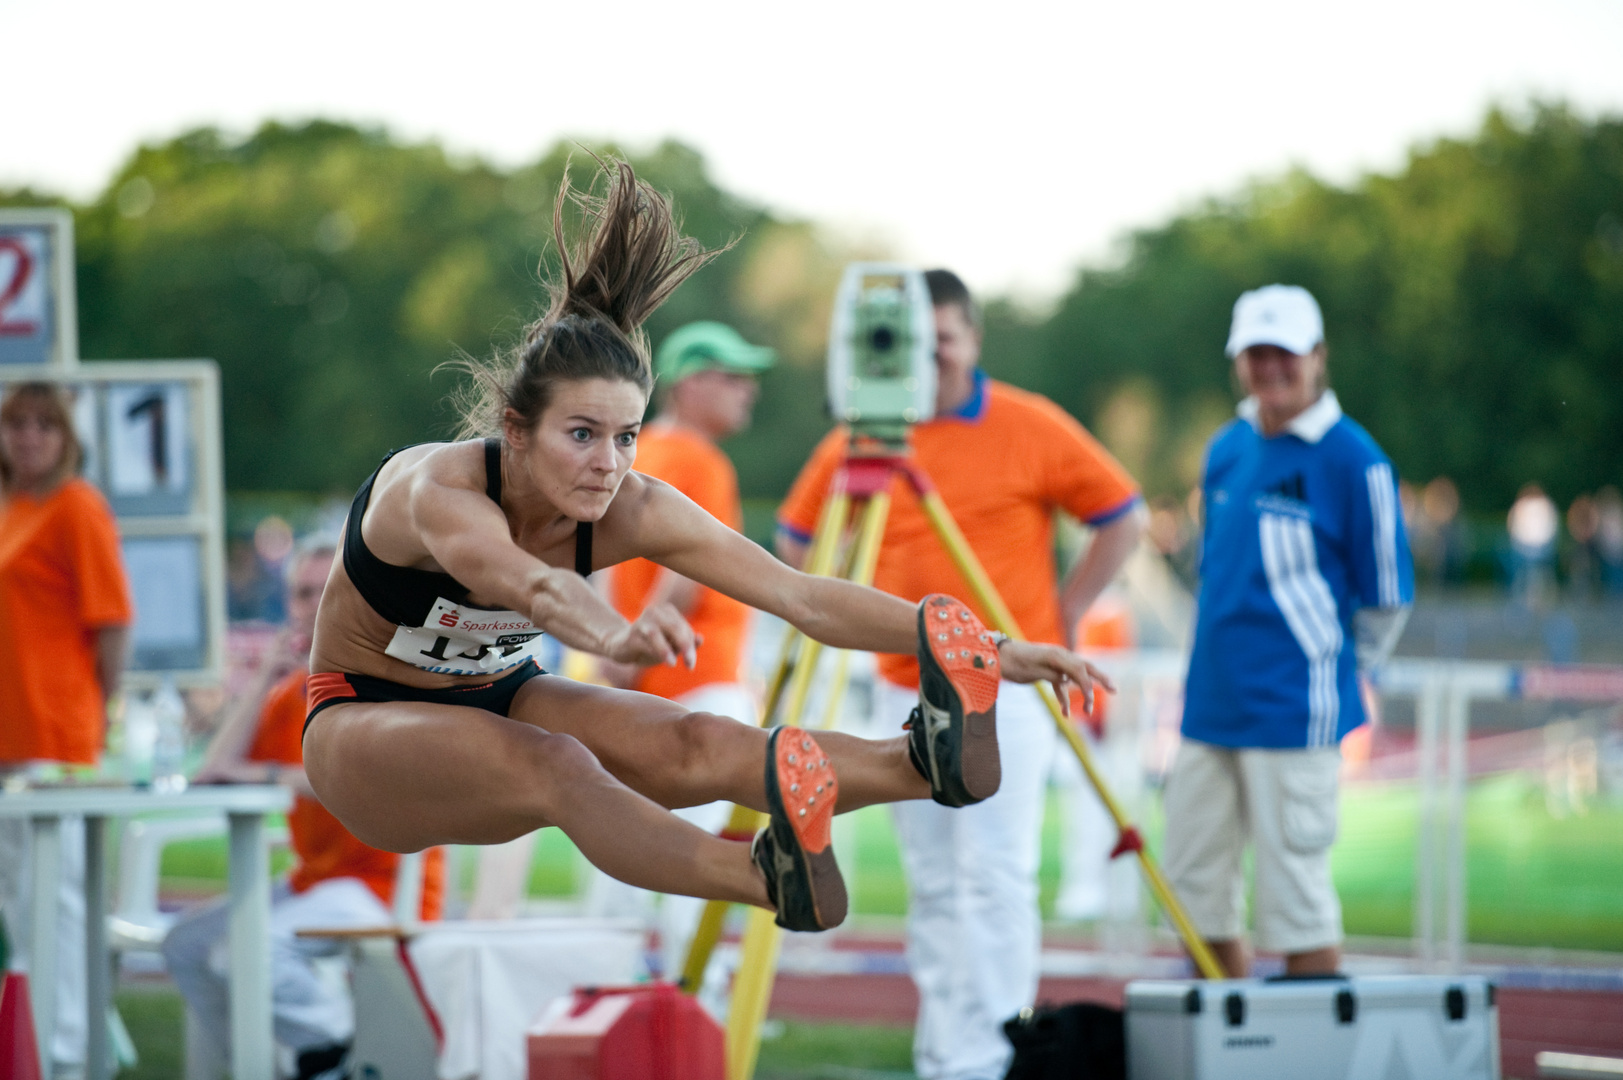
point(1401, 1027)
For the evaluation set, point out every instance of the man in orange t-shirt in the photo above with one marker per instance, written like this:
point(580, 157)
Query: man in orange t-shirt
point(1005, 461)
point(707, 377)
point(336, 881)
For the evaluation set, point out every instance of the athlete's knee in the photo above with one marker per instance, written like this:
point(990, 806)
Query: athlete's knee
point(699, 741)
point(696, 734)
point(706, 734)
point(556, 766)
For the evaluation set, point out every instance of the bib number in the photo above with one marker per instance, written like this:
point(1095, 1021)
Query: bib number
point(458, 640)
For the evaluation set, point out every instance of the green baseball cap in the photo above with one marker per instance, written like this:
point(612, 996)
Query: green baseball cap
point(702, 346)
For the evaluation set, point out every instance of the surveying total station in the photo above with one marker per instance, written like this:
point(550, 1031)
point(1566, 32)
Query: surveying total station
point(881, 352)
point(881, 381)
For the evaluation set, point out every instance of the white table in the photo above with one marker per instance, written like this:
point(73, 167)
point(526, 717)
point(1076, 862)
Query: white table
point(245, 806)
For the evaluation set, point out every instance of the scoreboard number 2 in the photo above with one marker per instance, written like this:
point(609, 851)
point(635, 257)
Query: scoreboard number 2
point(21, 290)
point(38, 313)
point(16, 270)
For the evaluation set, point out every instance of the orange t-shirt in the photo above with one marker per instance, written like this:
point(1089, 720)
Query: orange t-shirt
point(1003, 464)
point(694, 466)
point(61, 580)
point(323, 847)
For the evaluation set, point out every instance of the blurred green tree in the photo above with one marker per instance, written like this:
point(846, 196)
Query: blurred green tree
point(1473, 307)
point(1474, 300)
point(330, 269)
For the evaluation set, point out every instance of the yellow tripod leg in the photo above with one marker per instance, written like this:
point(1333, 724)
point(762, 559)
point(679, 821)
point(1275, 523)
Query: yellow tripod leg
point(744, 821)
point(758, 960)
point(820, 561)
point(1199, 951)
point(752, 991)
point(864, 556)
point(860, 570)
point(963, 557)
point(713, 920)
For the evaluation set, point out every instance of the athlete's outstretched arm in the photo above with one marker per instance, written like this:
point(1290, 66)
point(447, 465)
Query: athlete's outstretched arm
point(467, 535)
point(834, 612)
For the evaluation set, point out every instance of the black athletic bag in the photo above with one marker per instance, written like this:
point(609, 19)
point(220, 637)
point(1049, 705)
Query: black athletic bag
point(1082, 1041)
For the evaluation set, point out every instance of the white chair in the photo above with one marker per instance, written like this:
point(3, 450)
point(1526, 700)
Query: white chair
point(136, 927)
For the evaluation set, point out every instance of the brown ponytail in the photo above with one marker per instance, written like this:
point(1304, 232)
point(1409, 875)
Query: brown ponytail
point(633, 256)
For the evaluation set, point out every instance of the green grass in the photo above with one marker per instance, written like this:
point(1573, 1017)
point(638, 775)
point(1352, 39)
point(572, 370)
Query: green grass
point(553, 867)
point(795, 1051)
point(201, 863)
point(1532, 879)
point(154, 1018)
point(790, 1051)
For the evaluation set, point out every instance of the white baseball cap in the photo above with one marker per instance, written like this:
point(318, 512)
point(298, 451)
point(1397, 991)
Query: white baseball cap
point(1283, 315)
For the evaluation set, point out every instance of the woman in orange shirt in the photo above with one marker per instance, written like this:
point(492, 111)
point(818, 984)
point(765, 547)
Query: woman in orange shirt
point(64, 618)
point(63, 597)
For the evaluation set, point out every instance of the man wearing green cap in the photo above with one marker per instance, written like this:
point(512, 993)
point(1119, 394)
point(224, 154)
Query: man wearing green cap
point(706, 375)
point(706, 378)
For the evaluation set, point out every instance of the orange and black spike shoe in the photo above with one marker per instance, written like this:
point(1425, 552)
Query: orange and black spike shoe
point(796, 850)
point(954, 729)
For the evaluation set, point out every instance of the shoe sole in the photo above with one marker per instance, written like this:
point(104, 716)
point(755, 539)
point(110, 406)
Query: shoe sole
point(801, 790)
point(958, 684)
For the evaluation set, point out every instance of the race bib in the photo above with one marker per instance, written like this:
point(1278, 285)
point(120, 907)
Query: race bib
point(460, 640)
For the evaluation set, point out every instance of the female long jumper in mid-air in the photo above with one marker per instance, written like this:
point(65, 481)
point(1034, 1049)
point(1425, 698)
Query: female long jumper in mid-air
point(431, 723)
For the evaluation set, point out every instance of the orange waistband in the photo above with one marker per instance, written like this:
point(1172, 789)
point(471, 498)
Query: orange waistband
point(326, 686)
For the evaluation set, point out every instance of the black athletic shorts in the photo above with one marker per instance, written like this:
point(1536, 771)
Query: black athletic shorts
point(334, 688)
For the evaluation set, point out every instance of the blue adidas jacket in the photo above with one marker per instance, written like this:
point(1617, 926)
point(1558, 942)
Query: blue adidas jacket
point(1303, 531)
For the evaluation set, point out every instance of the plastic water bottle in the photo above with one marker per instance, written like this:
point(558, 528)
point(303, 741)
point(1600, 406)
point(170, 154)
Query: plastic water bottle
point(140, 739)
point(169, 745)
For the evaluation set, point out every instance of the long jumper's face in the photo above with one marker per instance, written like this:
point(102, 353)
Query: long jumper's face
point(584, 444)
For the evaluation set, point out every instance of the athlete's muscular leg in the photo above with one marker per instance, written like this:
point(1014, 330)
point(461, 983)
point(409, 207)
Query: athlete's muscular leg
point(680, 758)
point(406, 775)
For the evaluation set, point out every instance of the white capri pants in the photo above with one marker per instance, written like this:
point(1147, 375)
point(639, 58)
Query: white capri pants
point(16, 901)
point(974, 932)
point(1284, 802)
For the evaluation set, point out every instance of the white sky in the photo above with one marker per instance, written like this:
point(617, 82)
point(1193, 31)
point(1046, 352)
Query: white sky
point(1011, 140)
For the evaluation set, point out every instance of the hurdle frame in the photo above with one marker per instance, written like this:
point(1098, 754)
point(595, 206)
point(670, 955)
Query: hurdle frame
point(1444, 692)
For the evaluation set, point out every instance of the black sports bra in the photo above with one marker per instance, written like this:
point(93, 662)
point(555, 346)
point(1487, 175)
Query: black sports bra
point(405, 595)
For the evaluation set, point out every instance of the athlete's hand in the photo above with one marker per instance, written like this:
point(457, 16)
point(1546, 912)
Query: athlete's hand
point(659, 636)
point(1026, 662)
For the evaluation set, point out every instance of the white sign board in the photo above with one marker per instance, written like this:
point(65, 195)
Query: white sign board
point(151, 434)
point(38, 314)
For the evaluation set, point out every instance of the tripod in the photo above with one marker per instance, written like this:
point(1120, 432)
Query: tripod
point(864, 478)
